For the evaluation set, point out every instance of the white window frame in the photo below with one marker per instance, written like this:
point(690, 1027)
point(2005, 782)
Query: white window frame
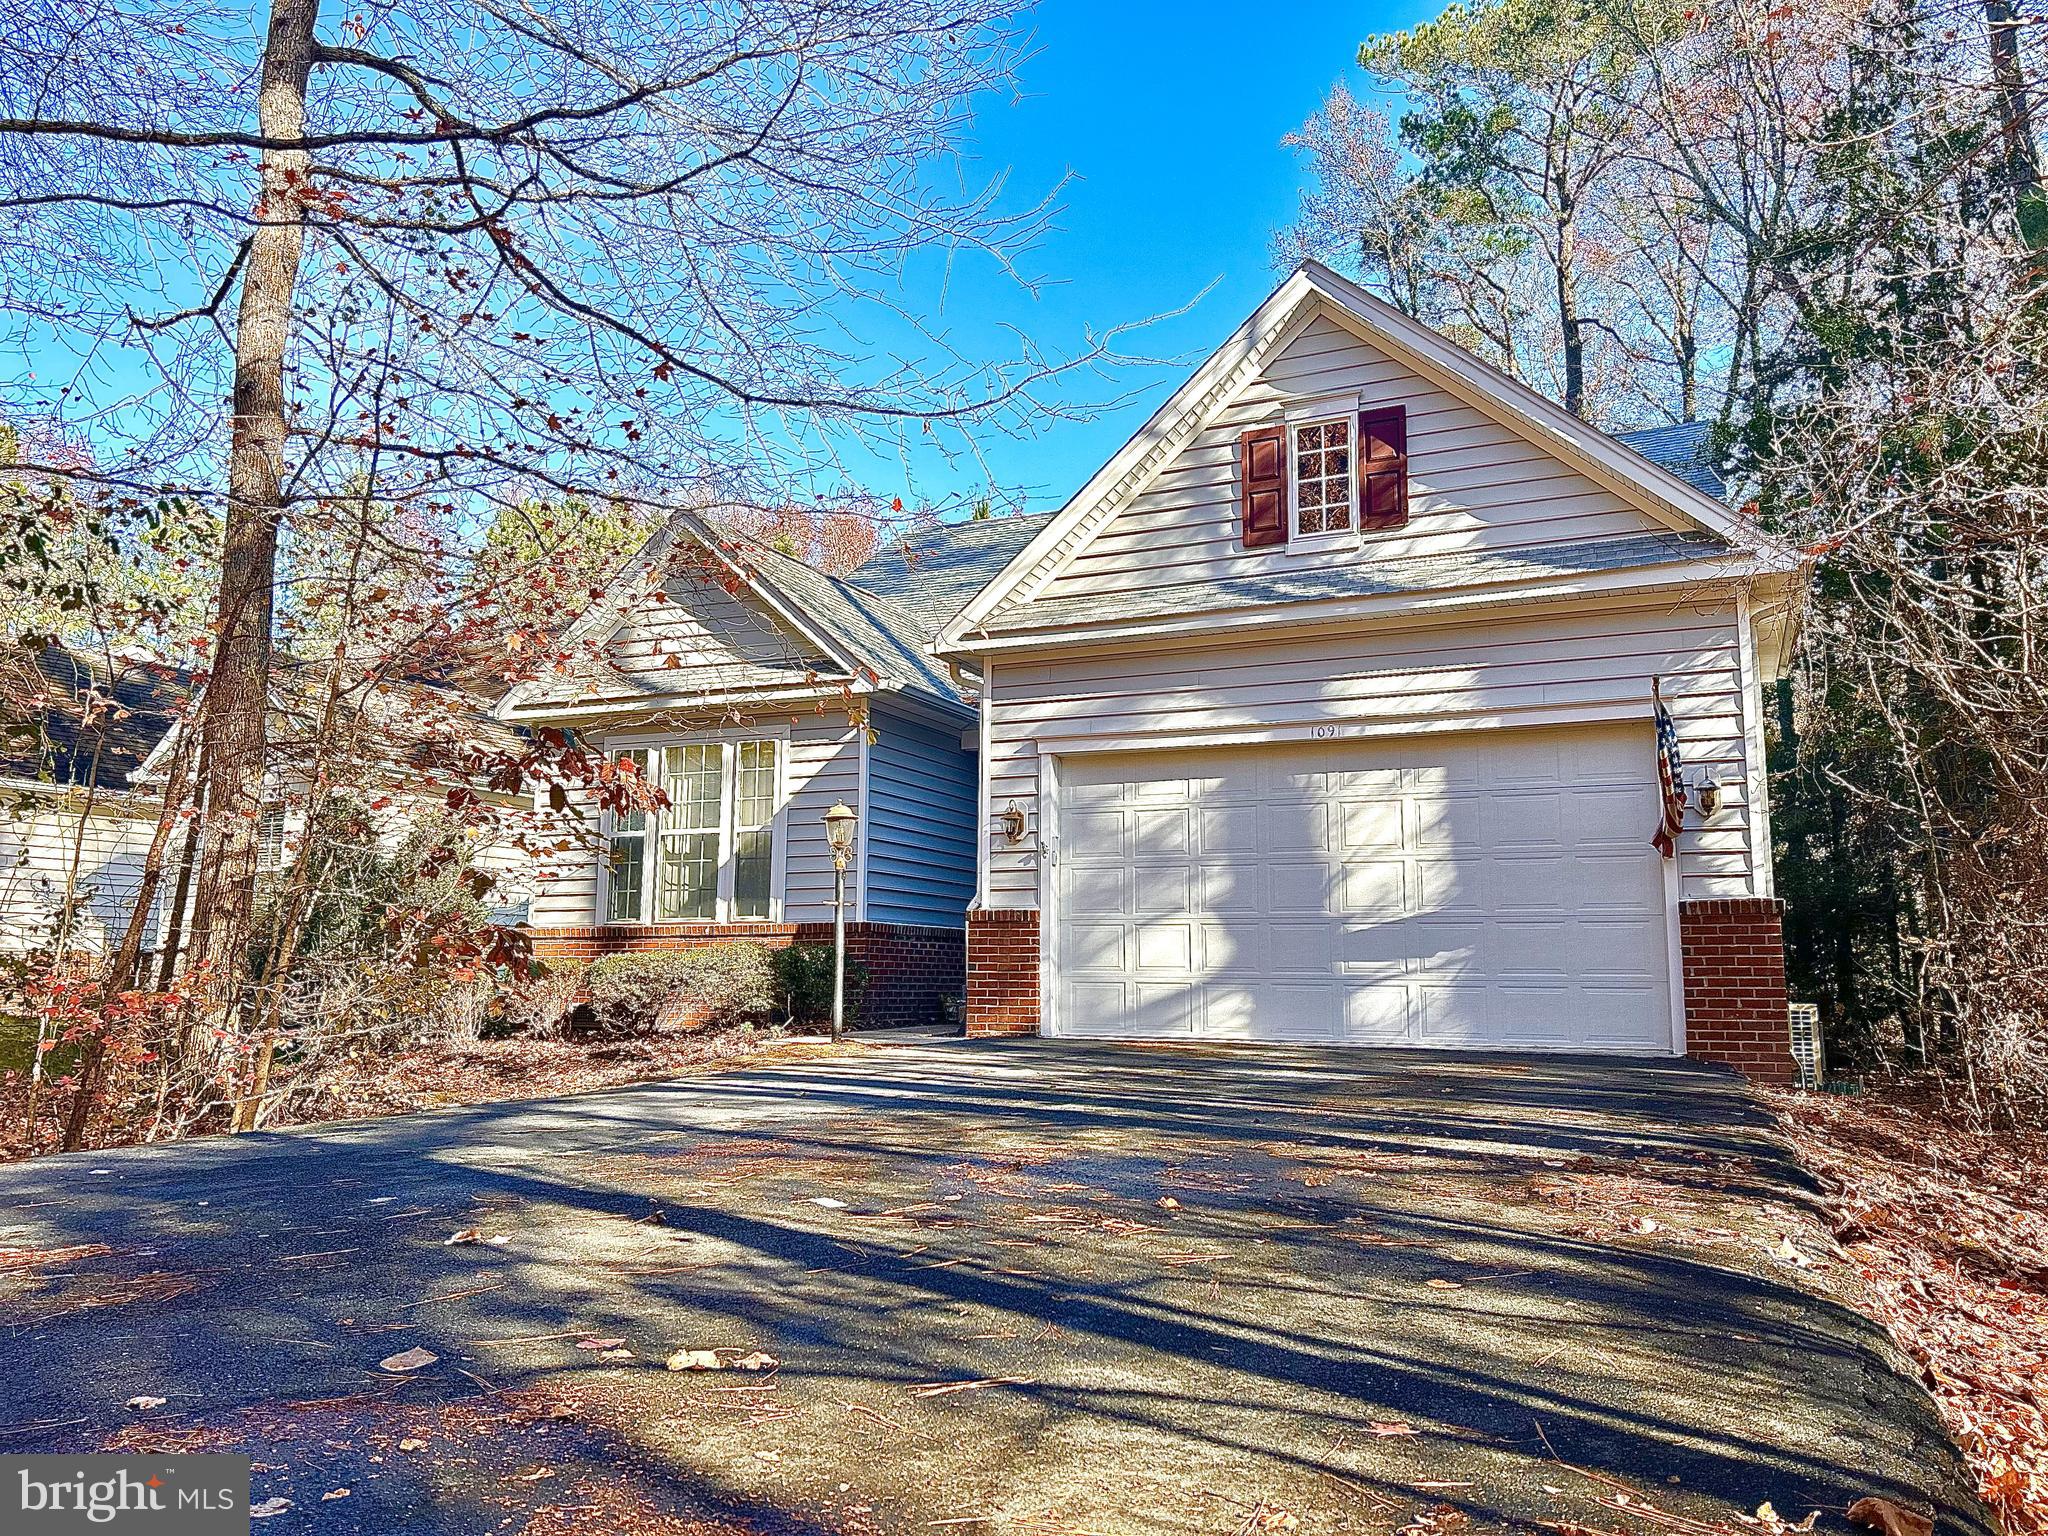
point(722, 907)
point(1333, 538)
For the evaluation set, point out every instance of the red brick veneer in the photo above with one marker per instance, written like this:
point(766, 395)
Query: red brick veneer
point(910, 967)
point(1734, 961)
point(1002, 972)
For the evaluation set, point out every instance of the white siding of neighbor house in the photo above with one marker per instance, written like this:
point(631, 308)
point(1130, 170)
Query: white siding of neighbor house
point(1493, 672)
point(1474, 485)
point(53, 852)
point(824, 765)
point(921, 813)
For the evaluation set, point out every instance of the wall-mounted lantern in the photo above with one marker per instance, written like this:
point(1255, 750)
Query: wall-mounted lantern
point(1011, 823)
point(1708, 793)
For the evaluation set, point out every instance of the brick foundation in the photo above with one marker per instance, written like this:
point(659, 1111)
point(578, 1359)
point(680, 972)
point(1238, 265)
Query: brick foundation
point(1734, 963)
point(1002, 972)
point(910, 967)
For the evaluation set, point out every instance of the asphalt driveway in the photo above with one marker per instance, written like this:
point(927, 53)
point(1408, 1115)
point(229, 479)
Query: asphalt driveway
point(1009, 1287)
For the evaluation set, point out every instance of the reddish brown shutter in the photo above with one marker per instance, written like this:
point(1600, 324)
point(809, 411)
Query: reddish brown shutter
point(1262, 466)
point(1383, 467)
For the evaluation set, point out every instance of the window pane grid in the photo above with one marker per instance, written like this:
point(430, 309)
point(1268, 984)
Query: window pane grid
point(700, 838)
point(1322, 477)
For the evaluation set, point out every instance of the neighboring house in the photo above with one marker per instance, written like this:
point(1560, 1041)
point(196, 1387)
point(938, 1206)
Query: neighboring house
point(757, 692)
point(82, 767)
point(74, 827)
point(1323, 713)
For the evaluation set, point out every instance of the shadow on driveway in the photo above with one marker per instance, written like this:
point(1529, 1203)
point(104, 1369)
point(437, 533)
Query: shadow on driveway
point(1027, 1285)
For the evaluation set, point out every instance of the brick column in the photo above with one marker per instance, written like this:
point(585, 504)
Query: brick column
point(1002, 972)
point(1734, 963)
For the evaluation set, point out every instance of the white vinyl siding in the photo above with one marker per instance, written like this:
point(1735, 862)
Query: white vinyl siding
point(822, 765)
point(1493, 672)
point(55, 856)
point(1473, 484)
point(700, 634)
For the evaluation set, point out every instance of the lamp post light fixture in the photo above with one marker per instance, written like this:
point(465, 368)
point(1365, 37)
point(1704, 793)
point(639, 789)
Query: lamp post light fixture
point(839, 824)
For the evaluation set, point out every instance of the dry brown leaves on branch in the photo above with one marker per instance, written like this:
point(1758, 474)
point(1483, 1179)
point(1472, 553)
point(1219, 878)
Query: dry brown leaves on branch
point(1949, 1228)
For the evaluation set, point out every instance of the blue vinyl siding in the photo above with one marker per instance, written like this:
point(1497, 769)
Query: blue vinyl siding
point(921, 815)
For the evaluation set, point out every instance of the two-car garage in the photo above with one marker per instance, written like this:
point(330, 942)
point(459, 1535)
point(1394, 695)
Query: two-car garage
point(1487, 889)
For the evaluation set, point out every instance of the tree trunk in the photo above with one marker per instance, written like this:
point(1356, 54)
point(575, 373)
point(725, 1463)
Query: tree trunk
point(233, 722)
point(2015, 116)
point(122, 969)
point(1570, 331)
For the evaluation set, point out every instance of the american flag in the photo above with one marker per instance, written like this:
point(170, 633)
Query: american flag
point(1670, 778)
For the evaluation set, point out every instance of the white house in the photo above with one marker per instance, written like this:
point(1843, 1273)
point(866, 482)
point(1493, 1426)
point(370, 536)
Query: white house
point(1323, 713)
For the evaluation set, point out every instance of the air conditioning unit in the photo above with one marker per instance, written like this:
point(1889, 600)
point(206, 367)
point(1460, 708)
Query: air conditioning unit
point(1806, 1045)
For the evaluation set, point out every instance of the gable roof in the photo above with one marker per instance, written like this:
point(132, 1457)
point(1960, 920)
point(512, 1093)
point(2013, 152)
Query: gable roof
point(74, 719)
point(873, 625)
point(1686, 502)
point(887, 610)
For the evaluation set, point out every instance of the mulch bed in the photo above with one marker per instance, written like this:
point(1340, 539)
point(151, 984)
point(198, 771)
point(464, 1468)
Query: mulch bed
point(437, 1076)
point(1948, 1225)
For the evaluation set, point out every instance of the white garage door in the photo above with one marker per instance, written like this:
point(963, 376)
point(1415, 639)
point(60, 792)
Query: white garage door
point(1494, 889)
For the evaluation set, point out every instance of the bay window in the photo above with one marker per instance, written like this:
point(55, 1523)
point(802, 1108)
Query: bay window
point(709, 854)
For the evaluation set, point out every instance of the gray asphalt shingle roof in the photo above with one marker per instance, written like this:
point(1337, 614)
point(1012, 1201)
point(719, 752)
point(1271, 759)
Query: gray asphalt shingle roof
point(1682, 449)
point(1430, 573)
point(885, 612)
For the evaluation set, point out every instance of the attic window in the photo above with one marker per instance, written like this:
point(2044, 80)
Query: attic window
point(1325, 492)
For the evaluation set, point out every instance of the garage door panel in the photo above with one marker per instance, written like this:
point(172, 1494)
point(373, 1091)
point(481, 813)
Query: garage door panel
point(1486, 889)
point(1525, 819)
point(1525, 884)
point(1166, 947)
point(1618, 883)
point(1229, 829)
point(1096, 837)
point(1373, 826)
point(1374, 888)
point(1448, 821)
point(1448, 887)
point(1298, 949)
point(1452, 1017)
point(1299, 887)
point(1233, 887)
point(1161, 829)
point(1620, 949)
point(1094, 946)
point(1094, 1008)
point(1537, 1017)
point(1166, 1010)
point(1163, 889)
point(1532, 948)
point(1609, 816)
point(1092, 888)
point(1378, 1013)
point(1611, 1017)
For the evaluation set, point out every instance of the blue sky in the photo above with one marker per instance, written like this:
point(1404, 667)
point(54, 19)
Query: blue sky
point(1169, 119)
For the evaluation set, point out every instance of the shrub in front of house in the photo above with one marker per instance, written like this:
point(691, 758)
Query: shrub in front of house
point(803, 985)
point(713, 987)
point(541, 1005)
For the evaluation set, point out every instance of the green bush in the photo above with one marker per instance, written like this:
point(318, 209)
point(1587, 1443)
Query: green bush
point(541, 1004)
point(803, 984)
point(712, 987)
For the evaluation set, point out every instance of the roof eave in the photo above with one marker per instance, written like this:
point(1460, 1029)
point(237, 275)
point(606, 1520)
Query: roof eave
point(588, 707)
point(1706, 574)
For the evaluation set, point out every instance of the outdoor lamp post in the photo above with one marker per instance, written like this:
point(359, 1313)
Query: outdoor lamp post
point(839, 824)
